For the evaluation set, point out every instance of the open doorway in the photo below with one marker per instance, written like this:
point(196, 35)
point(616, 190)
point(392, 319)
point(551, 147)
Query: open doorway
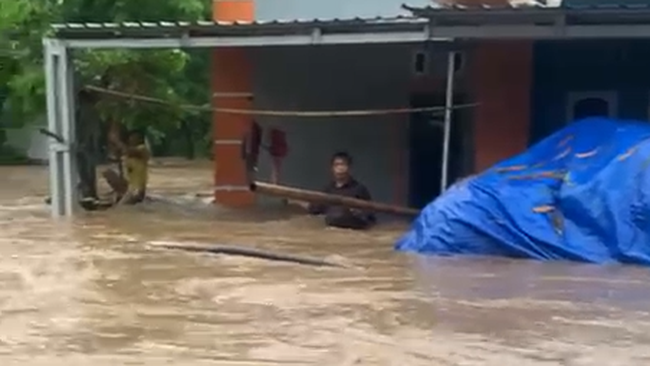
point(426, 148)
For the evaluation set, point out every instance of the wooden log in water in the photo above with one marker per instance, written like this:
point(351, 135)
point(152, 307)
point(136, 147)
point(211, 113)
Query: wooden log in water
point(332, 199)
point(248, 252)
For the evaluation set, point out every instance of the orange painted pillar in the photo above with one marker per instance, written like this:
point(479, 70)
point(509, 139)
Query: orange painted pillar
point(231, 73)
point(502, 80)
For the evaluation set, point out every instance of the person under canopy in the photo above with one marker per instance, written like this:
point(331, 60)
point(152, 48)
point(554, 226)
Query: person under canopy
point(132, 188)
point(344, 184)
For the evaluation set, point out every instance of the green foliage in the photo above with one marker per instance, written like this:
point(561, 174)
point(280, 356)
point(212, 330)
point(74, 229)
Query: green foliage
point(174, 75)
point(12, 156)
point(22, 24)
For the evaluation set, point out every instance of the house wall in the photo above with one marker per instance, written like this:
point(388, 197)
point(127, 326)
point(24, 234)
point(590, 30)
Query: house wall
point(588, 66)
point(311, 9)
point(355, 77)
point(338, 78)
point(500, 80)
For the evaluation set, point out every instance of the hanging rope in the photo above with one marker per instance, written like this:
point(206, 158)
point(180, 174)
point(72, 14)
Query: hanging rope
point(315, 114)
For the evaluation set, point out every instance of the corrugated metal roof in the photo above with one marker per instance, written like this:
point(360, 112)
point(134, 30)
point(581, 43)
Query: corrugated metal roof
point(594, 14)
point(232, 29)
point(525, 7)
point(603, 2)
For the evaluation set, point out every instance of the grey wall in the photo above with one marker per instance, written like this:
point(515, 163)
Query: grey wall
point(310, 9)
point(29, 141)
point(337, 78)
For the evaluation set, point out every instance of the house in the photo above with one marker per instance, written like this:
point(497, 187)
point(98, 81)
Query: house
point(526, 87)
point(337, 77)
point(532, 66)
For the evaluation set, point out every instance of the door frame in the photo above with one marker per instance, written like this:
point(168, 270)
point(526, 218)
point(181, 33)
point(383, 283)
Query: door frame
point(610, 96)
point(458, 150)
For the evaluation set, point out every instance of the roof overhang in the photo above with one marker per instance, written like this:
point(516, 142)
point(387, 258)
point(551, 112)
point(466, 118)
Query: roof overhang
point(430, 24)
point(242, 34)
point(535, 22)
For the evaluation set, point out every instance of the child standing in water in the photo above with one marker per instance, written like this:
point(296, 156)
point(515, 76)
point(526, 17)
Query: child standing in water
point(135, 156)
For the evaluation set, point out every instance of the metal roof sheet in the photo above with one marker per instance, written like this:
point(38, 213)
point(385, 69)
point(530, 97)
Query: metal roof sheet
point(232, 29)
point(593, 14)
point(525, 7)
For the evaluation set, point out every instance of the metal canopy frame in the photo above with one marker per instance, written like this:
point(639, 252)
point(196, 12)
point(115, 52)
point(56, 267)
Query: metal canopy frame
point(241, 34)
point(60, 95)
point(426, 25)
point(60, 90)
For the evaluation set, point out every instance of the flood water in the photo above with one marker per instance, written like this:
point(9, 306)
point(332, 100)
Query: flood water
point(92, 291)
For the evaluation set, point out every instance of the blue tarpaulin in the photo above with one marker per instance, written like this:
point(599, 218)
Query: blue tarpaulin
point(582, 194)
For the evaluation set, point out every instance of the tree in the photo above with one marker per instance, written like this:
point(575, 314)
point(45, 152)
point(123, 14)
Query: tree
point(159, 73)
point(22, 23)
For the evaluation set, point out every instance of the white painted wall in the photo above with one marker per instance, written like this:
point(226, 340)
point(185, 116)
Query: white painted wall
point(30, 141)
point(337, 78)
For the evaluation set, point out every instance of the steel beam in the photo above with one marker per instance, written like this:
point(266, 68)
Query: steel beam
point(557, 31)
point(52, 54)
point(316, 37)
point(68, 127)
point(60, 98)
point(428, 33)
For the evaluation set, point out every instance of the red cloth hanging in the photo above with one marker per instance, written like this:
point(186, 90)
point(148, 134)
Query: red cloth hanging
point(278, 147)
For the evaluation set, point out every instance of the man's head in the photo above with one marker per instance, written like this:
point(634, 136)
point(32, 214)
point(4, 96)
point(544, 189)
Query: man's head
point(135, 138)
point(341, 163)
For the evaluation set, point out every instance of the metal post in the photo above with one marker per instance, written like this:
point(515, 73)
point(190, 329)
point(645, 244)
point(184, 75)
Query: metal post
point(68, 108)
point(52, 59)
point(449, 103)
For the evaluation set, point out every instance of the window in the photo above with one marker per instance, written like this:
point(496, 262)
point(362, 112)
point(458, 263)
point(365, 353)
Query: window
point(439, 64)
point(420, 63)
point(591, 104)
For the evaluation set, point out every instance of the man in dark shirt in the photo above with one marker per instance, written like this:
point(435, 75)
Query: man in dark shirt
point(344, 184)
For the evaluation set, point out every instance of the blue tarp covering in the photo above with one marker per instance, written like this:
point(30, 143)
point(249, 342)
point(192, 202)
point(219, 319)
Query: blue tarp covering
point(582, 194)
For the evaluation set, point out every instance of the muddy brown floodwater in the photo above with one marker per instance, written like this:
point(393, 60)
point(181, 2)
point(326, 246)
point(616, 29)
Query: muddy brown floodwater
point(89, 291)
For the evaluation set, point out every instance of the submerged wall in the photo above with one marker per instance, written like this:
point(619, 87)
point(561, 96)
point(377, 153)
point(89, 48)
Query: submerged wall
point(500, 79)
point(338, 78)
point(615, 68)
point(352, 78)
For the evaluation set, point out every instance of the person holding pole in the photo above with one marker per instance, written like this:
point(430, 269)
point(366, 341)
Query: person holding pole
point(343, 184)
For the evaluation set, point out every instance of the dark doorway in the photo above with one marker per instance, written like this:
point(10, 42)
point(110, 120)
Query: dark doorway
point(590, 107)
point(426, 145)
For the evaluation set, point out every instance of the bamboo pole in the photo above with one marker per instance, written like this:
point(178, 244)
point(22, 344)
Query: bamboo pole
point(319, 197)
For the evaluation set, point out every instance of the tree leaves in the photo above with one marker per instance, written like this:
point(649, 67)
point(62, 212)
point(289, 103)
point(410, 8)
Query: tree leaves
point(158, 73)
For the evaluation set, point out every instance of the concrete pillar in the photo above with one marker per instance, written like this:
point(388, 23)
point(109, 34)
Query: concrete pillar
point(231, 73)
point(501, 81)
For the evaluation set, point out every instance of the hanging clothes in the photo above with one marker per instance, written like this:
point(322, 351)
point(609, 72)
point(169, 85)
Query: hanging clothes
point(251, 145)
point(278, 149)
